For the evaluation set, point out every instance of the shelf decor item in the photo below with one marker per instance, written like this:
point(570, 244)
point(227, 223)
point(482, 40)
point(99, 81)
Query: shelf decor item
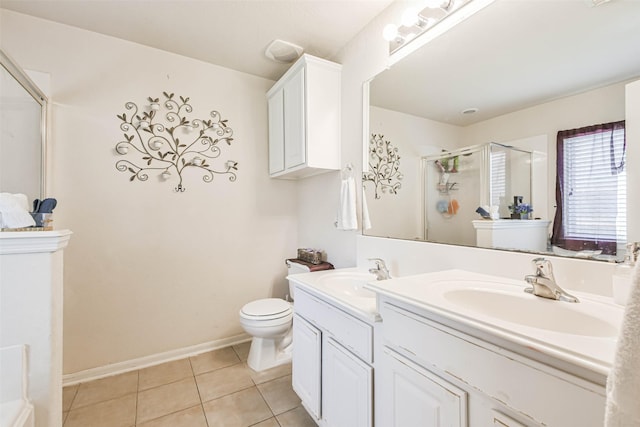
point(384, 162)
point(171, 148)
point(521, 211)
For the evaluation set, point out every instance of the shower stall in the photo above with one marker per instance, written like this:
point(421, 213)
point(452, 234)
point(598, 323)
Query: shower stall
point(457, 182)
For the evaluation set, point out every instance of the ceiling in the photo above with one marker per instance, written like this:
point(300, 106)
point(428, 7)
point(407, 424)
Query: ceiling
point(515, 54)
point(229, 33)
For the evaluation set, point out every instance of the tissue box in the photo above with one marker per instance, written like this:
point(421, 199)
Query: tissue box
point(310, 255)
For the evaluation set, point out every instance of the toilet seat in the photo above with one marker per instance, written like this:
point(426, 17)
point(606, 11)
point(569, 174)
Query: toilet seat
point(266, 309)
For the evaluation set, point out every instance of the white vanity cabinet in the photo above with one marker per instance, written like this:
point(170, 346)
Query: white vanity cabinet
point(304, 119)
point(332, 357)
point(431, 371)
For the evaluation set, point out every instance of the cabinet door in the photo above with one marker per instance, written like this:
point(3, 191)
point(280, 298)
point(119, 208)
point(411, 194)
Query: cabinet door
point(414, 397)
point(307, 345)
point(276, 132)
point(294, 121)
point(346, 388)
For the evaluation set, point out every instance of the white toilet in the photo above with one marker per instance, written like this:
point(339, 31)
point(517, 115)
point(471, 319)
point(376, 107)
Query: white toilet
point(269, 322)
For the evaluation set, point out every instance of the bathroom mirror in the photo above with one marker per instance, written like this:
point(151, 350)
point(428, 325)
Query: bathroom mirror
point(22, 127)
point(515, 74)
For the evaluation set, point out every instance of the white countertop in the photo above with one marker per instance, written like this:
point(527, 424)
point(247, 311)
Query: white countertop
point(317, 283)
point(551, 329)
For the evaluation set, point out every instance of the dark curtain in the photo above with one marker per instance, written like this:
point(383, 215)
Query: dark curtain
point(558, 237)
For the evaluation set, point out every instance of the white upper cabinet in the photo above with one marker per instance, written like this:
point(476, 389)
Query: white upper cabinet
point(304, 119)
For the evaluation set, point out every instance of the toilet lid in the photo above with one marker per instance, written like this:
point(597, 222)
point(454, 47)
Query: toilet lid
point(266, 307)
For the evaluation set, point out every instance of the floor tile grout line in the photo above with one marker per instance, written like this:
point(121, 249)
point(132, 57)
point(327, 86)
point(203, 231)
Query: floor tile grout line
point(265, 400)
point(204, 413)
point(103, 401)
point(135, 413)
point(170, 413)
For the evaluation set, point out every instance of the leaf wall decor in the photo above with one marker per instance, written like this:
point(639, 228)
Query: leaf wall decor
point(158, 148)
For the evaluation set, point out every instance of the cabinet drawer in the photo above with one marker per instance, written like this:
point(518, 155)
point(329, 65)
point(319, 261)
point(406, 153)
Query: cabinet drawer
point(352, 333)
point(520, 384)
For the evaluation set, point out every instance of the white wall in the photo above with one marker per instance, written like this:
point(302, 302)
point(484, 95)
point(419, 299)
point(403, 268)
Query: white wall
point(632, 130)
point(149, 270)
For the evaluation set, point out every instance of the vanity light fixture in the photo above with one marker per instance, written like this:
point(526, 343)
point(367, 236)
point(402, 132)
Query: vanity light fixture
point(415, 21)
point(158, 147)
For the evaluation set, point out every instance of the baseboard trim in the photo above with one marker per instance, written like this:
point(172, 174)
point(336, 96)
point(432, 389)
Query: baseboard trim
point(152, 360)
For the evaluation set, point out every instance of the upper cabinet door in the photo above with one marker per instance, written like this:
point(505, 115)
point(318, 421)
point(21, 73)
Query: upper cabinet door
point(276, 132)
point(295, 142)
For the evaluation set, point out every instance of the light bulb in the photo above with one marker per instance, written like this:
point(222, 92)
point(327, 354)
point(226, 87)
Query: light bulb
point(166, 175)
point(155, 106)
point(197, 161)
point(434, 4)
point(156, 144)
point(410, 17)
point(123, 149)
point(390, 32)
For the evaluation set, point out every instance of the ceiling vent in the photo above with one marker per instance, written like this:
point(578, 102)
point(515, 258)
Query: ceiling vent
point(282, 51)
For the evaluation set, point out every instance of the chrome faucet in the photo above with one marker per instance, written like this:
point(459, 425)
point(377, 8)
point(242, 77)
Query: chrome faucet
point(381, 271)
point(544, 285)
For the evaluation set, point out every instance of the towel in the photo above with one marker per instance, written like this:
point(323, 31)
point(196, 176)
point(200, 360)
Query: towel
point(623, 383)
point(14, 211)
point(366, 220)
point(347, 217)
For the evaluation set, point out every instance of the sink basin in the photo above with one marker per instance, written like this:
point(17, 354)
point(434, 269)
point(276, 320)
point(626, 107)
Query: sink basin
point(350, 284)
point(529, 310)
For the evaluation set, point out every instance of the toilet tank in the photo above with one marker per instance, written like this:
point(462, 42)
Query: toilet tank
point(295, 268)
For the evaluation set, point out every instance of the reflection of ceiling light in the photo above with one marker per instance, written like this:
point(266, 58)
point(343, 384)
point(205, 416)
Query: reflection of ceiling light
point(470, 110)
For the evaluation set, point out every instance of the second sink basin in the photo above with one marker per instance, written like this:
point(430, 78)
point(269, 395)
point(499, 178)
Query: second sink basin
point(350, 284)
point(528, 310)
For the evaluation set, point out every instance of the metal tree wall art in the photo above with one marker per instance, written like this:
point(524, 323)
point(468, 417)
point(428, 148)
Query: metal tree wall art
point(183, 143)
point(384, 162)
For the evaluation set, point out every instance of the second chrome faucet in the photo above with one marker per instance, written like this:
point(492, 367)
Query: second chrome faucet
point(543, 283)
point(381, 271)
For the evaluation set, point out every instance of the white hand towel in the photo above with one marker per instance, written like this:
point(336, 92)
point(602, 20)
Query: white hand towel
point(366, 220)
point(623, 383)
point(14, 211)
point(347, 214)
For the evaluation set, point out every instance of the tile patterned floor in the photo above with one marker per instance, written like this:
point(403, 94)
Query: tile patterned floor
point(214, 389)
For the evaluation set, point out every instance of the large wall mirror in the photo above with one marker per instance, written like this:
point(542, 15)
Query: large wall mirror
point(471, 120)
point(23, 132)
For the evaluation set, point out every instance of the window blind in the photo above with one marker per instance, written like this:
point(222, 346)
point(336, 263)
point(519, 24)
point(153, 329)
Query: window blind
point(498, 177)
point(595, 187)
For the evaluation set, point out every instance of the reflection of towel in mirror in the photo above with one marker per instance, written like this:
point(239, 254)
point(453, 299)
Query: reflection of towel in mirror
point(347, 218)
point(14, 211)
point(366, 220)
point(623, 383)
